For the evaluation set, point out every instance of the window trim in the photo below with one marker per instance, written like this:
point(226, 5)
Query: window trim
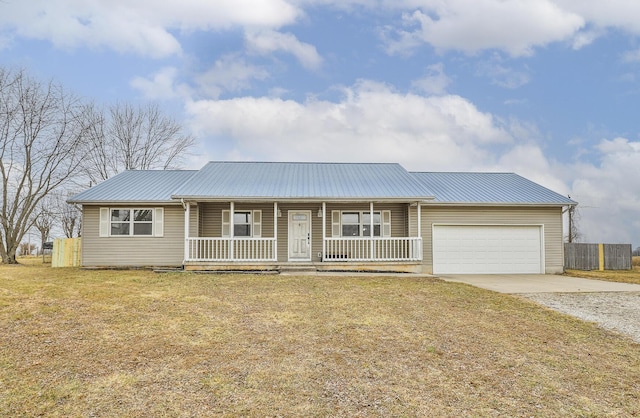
point(156, 222)
point(255, 225)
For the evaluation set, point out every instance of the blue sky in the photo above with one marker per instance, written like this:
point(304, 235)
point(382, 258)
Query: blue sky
point(545, 88)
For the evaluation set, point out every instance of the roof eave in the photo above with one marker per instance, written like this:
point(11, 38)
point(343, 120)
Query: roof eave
point(305, 199)
point(125, 202)
point(496, 204)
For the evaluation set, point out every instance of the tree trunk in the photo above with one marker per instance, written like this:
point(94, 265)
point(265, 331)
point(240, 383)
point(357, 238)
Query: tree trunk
point(10, 256)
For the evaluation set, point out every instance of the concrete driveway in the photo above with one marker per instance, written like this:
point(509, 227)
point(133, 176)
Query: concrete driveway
point(538, 283)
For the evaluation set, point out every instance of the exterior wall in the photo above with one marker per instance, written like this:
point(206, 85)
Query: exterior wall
point(206, 221)
point(551, 218)
point(211, 218)
point(167, 250)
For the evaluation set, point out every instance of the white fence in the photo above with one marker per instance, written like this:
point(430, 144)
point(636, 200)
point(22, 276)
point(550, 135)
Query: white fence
point(376, 249)
point(336, 249)
point(231, 249)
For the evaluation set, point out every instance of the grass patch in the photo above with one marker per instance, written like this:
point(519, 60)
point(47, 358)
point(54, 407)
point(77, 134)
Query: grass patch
point(624, 276)
point(135, 343)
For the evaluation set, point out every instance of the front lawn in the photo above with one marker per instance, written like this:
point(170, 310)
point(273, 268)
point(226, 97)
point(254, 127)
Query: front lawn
point(624, 276)
point(138, 344)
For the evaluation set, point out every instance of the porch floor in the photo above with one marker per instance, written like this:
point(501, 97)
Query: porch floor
point(308, 267)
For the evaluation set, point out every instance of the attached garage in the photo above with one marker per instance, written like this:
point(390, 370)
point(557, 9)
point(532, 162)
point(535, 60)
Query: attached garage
point(488, 249)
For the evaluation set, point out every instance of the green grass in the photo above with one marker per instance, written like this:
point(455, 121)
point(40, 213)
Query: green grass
point(138, 344)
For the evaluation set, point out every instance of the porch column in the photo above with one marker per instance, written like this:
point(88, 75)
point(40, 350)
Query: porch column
point(371, 249)
point(187, 216)
point(324, 230)
point(275, 231)
point(231, 245)
point(419, 256)
point(419, 220)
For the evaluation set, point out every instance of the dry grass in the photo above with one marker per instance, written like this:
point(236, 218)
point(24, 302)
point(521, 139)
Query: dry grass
point(138, 344)
point(625, 276)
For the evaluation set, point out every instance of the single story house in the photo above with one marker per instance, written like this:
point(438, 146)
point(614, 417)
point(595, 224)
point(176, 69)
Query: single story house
point(323, 216)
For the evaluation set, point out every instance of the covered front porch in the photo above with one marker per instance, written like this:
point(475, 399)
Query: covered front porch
point(267, 236)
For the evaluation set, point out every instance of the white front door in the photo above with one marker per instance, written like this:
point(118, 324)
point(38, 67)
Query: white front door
point(300, 235)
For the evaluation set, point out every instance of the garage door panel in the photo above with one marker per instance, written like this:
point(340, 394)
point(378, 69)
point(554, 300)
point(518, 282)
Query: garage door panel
point(476, 249)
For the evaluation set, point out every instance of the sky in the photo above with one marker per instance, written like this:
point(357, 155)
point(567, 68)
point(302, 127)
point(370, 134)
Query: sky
point(549, 89)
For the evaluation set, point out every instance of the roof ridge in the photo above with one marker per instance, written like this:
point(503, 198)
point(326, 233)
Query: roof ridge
point(303, 162)
point(464, 172)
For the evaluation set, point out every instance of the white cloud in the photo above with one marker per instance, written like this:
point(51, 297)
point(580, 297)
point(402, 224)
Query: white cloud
point(162, 85)
point(370, 123)
point(434, 82)
point(609, 193)
point(623, 14)
point(266, 42)
point(529, 160)
point(143, 26)
point(231, 73)
point(515, 26)
point(474, 25)
point(585, 37)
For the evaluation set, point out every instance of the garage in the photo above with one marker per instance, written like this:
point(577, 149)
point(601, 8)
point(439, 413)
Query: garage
point(487, 249)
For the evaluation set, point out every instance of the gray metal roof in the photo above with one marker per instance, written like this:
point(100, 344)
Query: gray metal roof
point(135, 186)
point(276, 180)
point(489, 188)
point(317, 181)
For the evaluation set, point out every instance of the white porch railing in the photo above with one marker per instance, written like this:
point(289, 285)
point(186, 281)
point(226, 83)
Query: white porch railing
point(231, 249)
point(384, 249)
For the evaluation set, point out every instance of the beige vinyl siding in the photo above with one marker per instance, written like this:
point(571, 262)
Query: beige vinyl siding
point(550, 218)
point(211, 217)
point(194, 226)
point(167, 250)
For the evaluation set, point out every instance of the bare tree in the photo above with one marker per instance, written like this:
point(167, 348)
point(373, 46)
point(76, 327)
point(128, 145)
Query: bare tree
point(26, 248)
point(41, 133)
point(70, 217)
point(45, 219)
point(125, 137)
point(573, 233)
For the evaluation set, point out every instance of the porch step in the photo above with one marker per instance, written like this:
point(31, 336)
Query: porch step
point(297, 268)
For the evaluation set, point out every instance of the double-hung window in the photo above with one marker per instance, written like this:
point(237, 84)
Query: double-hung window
point(242, 224)
point(358, 224)
point(351, 224)
point(143, 222)
point(366, 224)
point(246, 223)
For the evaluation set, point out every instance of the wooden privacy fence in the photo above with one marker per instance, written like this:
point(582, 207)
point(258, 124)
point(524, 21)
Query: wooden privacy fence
point(597, 256)
point(67, 252)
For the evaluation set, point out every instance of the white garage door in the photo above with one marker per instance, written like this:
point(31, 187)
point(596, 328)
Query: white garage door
point(486, 249)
